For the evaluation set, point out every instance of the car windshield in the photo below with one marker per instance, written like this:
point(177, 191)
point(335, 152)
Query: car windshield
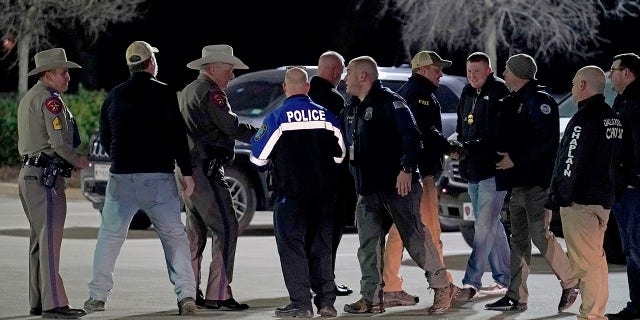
point(568, 108)
point(253, 98)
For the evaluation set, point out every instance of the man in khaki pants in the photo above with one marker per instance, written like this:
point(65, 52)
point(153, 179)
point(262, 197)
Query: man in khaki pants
point(582, 186)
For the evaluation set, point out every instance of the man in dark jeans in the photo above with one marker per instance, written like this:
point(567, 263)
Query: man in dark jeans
point(625, 70)
point(323, 92)
point(530, 141)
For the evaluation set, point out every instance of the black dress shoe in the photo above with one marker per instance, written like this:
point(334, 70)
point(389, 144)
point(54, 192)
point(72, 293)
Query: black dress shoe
point(230, 305)
point(35, 311)
point(63, 313)
point(342, 290)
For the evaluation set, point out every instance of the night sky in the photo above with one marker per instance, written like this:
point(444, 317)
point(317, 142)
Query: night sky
point(275, 33)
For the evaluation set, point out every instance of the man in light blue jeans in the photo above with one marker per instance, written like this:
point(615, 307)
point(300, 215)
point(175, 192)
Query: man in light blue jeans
point(478, 124)
point(157, 195)
point(142, 131)
point(490, 240)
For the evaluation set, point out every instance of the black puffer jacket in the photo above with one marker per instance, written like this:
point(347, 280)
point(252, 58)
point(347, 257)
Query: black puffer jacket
point(478, 127)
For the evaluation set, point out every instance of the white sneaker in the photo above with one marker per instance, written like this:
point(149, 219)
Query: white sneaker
point(493, 289)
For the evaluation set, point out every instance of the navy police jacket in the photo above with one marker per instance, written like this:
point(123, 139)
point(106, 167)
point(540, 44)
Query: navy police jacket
point(530, 134)
point(587, 157)
point(384, 138)
point(302, 143)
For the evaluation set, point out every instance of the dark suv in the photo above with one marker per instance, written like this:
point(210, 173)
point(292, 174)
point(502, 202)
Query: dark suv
point(253, 96)
point(455, 204)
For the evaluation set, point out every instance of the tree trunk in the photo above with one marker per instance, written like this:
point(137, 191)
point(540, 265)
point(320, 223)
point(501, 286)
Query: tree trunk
point(490, 43)
point(23, 63)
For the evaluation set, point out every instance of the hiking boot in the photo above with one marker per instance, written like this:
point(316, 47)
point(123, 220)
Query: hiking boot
point(628, 313)
point(293, 312)
point(443, 298)
point(187, 307)
point(92, 305)
point(568, 297)
point(493, 289)
point(363, 306)
point(328, 312)
point(506, 304)
point(399, 298)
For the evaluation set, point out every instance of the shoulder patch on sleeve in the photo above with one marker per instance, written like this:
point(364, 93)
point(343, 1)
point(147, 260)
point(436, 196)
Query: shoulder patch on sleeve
point(545, 108)
point(261, 131)
point(57, 124)
point(399, 104)
point(219, 99)
point(53, 104)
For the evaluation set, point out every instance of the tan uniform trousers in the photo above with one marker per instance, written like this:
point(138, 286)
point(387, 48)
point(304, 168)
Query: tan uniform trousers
point(583, 227)
point(394, 247)
point(46, 210)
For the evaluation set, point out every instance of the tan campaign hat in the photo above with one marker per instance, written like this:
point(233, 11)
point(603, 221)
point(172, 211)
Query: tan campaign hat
point(51, 59)
point(139, 51)
point(425, 58)
point(217, 53)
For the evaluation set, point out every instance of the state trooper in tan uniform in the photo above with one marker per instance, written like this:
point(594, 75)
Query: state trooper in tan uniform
point(47, 138)
point(212, 129)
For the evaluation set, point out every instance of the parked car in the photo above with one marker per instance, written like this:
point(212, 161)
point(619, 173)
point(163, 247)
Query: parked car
point(455, 204)
point(253, 96)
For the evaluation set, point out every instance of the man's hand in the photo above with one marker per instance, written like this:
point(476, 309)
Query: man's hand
point(505, 163)
point(83, 163)
point(403, 183)
point(188, 184)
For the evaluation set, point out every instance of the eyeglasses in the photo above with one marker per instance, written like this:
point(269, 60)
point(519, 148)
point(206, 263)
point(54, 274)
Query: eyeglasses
point(619, 69)
point(287, 68)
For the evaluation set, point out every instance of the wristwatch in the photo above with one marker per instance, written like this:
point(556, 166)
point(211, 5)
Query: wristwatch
point(407, 169)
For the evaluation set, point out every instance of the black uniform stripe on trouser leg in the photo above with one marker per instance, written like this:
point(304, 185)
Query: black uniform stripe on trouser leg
point(225, 245)
point(51, 248)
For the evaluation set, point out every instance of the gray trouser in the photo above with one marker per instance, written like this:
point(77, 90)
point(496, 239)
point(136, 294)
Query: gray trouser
point(529, 223)
point(374, 215)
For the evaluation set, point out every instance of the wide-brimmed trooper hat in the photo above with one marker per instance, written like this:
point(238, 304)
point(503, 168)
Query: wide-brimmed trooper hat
point(51, 59)
point(217, 53)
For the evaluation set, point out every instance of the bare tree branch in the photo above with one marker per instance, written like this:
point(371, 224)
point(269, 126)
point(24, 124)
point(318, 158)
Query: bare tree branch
point(30, 21)
point(543, 28)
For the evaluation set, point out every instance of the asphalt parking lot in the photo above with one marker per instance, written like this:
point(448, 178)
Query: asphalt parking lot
point(143, 291)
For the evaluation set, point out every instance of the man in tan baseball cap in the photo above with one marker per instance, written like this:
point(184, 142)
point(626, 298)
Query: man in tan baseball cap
point(425, 58)
point(139, 51)
point(139, 131)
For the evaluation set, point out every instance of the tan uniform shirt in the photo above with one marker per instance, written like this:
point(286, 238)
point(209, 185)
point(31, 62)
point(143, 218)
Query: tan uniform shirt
point(45, 124)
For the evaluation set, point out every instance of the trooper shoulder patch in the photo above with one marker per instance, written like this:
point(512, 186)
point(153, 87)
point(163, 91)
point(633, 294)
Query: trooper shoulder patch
point(53, 104)
point(219, 99)
point(57, 124)
point(545, 108)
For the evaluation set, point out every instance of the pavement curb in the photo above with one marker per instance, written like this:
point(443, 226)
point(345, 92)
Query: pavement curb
point(11, 189)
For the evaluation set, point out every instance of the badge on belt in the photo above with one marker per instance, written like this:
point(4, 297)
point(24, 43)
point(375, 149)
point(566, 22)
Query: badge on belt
point(470, 119)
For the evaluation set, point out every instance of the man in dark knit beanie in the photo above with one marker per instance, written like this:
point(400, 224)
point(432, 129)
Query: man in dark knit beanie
point(529, 142)
point(523, 66)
